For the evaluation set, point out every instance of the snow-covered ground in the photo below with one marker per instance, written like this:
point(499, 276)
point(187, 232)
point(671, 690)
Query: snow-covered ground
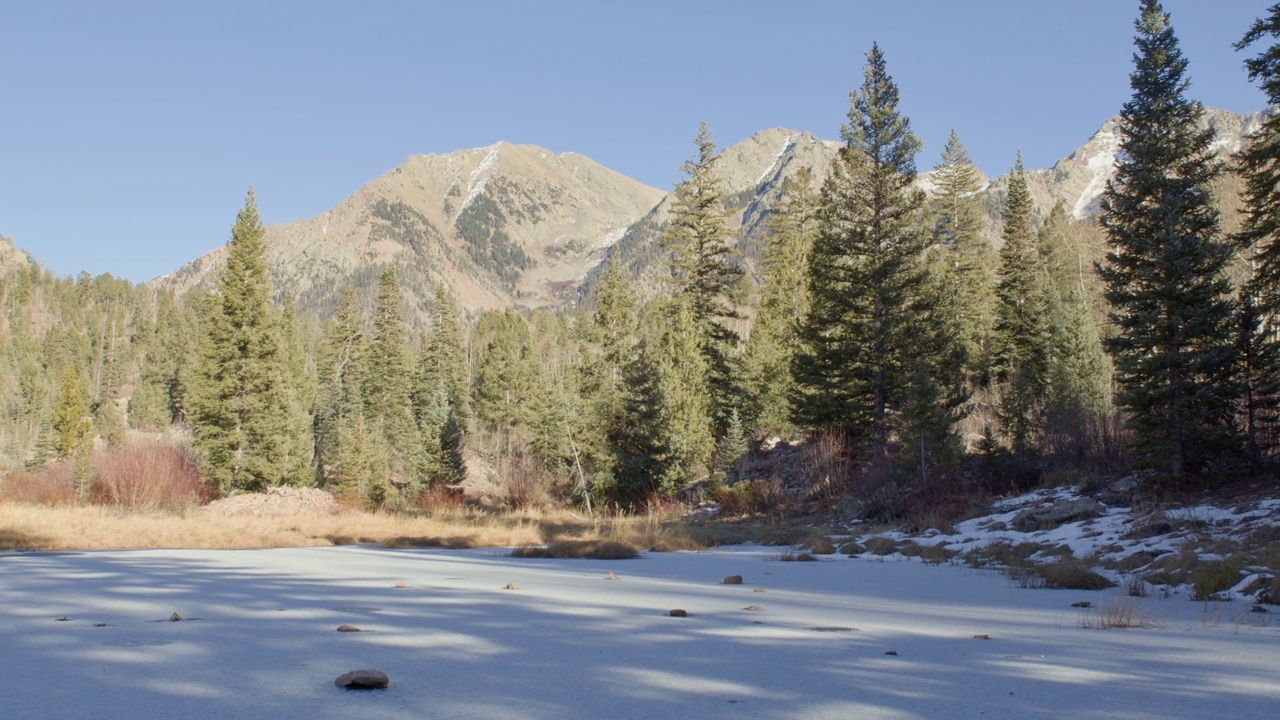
point(258, 639)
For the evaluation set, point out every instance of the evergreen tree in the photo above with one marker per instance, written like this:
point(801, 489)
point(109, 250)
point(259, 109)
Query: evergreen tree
point(685, 402)
point(957, 231)
point(638, 440)
point(859, 339)
point(339, 398)
point(1258, 372)
point(300, 394)
point(697, 242)
point(240, 432)
point(1023, 330)
point(1165, 276)
point(443, 359)
point(1259, 165)
point(506, 372)
point(732, 445)
point(1258, 323)
point(784, 302)
point(387, 386)
point(452, 468)
point(72, 425)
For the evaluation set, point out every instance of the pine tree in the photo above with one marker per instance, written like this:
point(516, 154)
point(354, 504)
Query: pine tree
point(686, 406)
point(1165, 274)
point(1258, 358)
point(339, 397)
point(506, 372)
point(1258, 319)
point(299, 409)
point(240, 432)
point(387, 390)
point(1259, 165)
point(639, 443)
point(72, 425)
point(443, 360)
point(784, 302)
point(697, 242)
point(957, 231)
point(858, 342)
point(1023, 332)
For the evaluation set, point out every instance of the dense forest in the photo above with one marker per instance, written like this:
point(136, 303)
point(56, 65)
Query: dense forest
point(883, 358)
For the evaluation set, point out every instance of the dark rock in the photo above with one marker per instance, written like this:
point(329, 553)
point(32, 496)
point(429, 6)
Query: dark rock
point(348, 628)
point(362, 680)
point(678, 613)
point(733, 580)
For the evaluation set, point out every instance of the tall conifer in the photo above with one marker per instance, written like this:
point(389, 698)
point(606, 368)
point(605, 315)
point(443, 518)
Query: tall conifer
point(1165, 276)
point(859, 340)
point(697, 242)
point(957, 231)
point(784, 302)
point(240, 431)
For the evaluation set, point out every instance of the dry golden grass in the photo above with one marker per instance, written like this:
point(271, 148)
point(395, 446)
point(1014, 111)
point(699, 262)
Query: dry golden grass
point(42, 527)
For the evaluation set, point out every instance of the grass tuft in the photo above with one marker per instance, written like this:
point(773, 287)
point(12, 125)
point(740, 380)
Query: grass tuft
point(596, 549)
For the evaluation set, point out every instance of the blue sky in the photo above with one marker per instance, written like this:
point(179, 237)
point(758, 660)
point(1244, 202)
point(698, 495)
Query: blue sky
point(129, 131)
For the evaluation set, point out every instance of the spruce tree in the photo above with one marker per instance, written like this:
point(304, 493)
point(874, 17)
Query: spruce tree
point(639, 443)
point(1022, 333)
point(858, 342)
point(339, 397)
point(442, 361)
point(697, 243)
point(299, 410)
point(387, 389)
point(1259, 165)
point(72, 424)
point(957, 231)
point(686, 405)
point(784, 301)
point(240, 431)
point(1165, 276)
point(1258, 319)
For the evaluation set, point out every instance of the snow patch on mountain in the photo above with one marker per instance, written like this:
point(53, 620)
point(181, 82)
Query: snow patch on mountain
point(479, 178)
point(1099, 156)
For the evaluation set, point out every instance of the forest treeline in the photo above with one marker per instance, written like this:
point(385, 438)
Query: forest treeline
point(879, 321)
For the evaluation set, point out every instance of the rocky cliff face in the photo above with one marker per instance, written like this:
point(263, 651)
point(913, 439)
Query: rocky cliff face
point(500, 226)
point(1079, 180)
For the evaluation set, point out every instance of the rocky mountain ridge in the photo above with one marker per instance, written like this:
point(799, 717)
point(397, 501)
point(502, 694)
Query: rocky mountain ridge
point(516, 225)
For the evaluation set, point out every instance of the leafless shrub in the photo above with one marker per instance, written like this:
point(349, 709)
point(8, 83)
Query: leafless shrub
point(147, 477)
point(54, 485)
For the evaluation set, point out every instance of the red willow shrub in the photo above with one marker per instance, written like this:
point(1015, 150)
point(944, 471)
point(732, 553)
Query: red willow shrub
point(147, 477)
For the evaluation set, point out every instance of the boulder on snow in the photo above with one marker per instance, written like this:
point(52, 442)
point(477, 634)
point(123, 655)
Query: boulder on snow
point(362, 680)
point(733, 580)
point(1047, 517)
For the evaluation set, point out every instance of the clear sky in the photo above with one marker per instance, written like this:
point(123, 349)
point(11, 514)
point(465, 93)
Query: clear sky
point(129, 131)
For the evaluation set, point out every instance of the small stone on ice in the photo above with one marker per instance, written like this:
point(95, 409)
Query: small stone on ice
point(678, 613)
point(348, 628)
point(362, 680)
point(175, 617)
point(733, 580)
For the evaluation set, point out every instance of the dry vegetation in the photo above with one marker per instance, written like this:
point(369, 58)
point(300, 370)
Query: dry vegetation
point(25, 526)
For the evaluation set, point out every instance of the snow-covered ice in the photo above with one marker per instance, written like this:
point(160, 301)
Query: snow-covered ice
point(259, 640)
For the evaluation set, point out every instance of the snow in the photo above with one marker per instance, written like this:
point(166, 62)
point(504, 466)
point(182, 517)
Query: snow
point(787, 146)
point(1101, 152)
point(479, 178)
point(259, 640)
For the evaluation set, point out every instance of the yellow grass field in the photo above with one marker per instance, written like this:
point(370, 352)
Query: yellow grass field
point(42, 527)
